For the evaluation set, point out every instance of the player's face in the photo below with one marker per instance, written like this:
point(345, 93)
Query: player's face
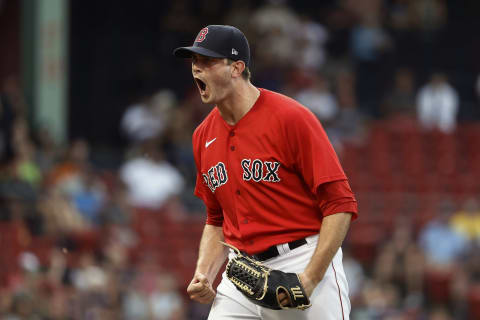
point(212, 76)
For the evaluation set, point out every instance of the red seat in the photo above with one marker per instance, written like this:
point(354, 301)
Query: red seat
point(473, 300)
point(41, 246)
point(438, 286)
point(363, 240)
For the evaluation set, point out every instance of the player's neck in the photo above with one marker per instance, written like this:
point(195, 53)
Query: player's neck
point(239, 102)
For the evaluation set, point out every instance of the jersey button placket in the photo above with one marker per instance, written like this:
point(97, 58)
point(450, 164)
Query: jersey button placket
point(232, 134)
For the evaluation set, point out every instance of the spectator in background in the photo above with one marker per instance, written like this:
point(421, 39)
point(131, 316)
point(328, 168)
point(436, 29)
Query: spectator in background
point(89, 276)
point(444, 250)
point(370, 44)
point(135, 302)
point(180, 153)
point(400, 100)
point(437, 104)
point(356, 276)
point(13, 119)
point(90, 198)
point(165, 301)
point(14, 129)
point(349, 125)
point(467, 220)
point(12, 91)
point(153, 294)
point(150, 180)
point(311, 39)
point(339, 22)
point(60, 215)
point(23, 307)
point(117, 210)
point(73, 194)
point(429, 16)
point(378, 301)
point(442, 245)
point(92, 282)
point(66, 174)
point(275, 25)
point(369, 39)
point(22, 165)
point(439, 312)
point(147, 119)
point(400, 262)
point(25, 167)
point(46, 150)
point(179, 135)
point(319, 99)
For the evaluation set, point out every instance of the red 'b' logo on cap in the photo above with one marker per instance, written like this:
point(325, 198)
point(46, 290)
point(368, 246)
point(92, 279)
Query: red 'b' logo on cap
point(201, 35)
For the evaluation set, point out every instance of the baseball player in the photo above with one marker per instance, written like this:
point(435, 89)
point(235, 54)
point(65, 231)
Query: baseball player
point(272, 185)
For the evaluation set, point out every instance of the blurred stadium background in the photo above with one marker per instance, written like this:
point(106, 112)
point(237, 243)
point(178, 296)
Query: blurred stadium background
point(97, 216)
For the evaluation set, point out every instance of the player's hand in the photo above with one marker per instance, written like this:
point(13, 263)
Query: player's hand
point(307, 283)
point(308, 286)
point(200, 289)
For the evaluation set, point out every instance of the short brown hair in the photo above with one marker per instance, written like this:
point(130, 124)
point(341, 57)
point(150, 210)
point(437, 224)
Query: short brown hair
point(246, 74)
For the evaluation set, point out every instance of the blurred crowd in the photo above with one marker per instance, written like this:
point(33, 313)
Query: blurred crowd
point(83, 241)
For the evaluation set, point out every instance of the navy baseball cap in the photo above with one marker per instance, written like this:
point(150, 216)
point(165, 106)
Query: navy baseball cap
point(218, 41)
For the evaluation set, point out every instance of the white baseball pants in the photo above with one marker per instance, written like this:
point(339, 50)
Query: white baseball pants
point(329, 299)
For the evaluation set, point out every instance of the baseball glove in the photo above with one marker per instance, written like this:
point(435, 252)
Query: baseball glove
point(262, 285)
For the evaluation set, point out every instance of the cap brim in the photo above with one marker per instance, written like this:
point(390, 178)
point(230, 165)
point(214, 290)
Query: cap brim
point(186, 52)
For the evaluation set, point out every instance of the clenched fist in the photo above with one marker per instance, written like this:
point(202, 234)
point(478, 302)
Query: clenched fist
point(200, 289)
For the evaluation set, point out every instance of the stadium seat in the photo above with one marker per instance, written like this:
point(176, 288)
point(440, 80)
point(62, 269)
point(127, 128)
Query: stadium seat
point(438, 286)
point(473, 300)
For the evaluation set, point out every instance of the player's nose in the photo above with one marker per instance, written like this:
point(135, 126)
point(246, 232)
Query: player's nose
point(195, 68)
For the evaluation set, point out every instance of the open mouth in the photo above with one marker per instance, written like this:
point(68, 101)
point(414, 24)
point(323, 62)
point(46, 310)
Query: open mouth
point(201, 85)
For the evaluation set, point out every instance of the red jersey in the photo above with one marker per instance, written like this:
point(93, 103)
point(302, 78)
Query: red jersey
point(268, 179)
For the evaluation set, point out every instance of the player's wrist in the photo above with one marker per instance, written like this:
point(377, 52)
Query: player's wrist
point(310, 279)
point(205, 275)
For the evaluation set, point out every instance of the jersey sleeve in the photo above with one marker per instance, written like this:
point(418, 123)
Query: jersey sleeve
point(335, 197)
point(214, 210)
point(310, 150)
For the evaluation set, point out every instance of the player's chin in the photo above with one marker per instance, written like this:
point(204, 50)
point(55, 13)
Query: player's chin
point(206, 98)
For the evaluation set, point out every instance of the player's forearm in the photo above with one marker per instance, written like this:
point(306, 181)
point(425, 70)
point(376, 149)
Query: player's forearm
point(332, 233)
point(212, 253)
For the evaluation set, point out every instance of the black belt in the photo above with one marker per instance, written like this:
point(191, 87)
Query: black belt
point(272, 252)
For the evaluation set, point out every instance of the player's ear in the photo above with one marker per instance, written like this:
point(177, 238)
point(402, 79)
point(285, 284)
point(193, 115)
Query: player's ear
point(237, 68)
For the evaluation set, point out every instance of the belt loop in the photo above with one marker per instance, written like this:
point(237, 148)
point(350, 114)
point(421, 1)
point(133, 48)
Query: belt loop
point(283, 248)
point(312, 239)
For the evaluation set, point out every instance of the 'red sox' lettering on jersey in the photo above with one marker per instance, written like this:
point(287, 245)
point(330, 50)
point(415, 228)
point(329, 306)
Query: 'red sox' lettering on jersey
point(255, 170)
point(254, 178)
point(216, 176)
